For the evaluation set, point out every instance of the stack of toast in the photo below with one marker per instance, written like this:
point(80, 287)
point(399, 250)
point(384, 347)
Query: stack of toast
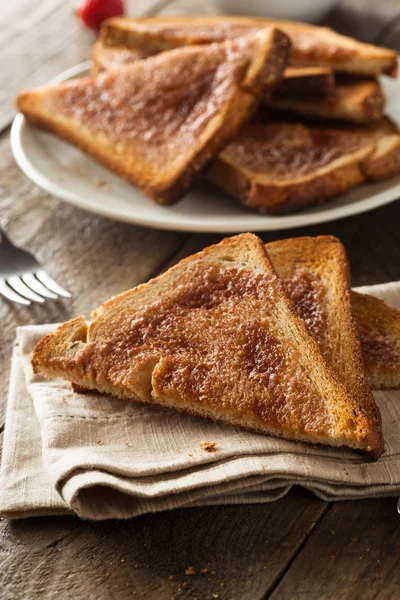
point(281, 115)
point(268, 338)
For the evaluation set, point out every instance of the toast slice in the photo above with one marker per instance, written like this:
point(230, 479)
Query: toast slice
point(379, 330)
point(352, 100)
point(312, 45)
point(303, 81)
point(215, 336)
point(158, 121)
point(348, 326)
point(280, 167)
point(315, 275)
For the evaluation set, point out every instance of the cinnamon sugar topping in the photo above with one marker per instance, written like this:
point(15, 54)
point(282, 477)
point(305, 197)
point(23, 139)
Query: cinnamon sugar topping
point(212, 341)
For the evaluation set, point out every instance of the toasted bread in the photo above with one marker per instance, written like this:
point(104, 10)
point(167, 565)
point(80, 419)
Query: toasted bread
point(351, 100)
point(281, 167)
point(106, 58)
point(303, 81)
point(312, 45)
point(384, 162)
point(379, 331)
point(315, 274)
point(158, 121)
point(215, 336)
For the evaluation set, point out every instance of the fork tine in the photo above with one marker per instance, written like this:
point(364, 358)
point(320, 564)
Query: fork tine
point(37, 286)
point(52, 285)
point(8, 293)
point(21, 288)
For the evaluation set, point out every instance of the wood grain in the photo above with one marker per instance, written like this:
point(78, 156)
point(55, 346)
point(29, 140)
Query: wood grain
point(38, 40)
point(353, 553)
point(243, 548)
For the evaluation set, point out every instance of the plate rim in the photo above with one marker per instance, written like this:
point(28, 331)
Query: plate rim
point(180, 223)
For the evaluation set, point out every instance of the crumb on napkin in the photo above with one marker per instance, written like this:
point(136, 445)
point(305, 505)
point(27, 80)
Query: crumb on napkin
point(208, 446)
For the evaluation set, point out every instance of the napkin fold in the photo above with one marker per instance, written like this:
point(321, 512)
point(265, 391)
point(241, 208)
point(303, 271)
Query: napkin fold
point(103, 458)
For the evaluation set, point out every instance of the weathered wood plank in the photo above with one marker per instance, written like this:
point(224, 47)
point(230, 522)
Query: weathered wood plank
point(353, 553)
point(37, 41)
point(246, 546)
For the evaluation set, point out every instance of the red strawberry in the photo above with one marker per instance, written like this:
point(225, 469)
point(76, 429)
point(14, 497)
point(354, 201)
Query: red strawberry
point(93, 12)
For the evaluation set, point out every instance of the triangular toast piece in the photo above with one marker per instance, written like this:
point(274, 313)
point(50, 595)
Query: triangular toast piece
point(158, 121)
point(312, 45)
point(379, 330)
point(315, 274)
point(303, 82)
point(215, 336)
point(281, 166)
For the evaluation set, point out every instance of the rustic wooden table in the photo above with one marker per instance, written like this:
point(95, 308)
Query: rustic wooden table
point(298, 547)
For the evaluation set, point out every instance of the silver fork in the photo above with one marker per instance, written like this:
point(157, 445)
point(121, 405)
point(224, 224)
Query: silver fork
point(22, 280)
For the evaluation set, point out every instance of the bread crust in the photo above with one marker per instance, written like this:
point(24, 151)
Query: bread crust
point(384, 162)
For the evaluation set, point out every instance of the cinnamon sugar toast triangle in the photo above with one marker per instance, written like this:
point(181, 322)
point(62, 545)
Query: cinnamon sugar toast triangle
point(349, 327)
point(158, 121)
point(312, 45)
point(215, 336)
point(302, 82)
point(279, 166)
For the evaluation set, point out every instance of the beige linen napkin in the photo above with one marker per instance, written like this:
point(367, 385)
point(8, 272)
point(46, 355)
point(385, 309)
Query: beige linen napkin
point(103, 458)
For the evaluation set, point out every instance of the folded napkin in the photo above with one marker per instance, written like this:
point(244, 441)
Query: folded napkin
point(103, 458)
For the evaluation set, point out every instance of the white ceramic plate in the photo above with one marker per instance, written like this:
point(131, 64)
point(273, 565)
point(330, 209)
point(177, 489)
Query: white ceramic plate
point(70, 175)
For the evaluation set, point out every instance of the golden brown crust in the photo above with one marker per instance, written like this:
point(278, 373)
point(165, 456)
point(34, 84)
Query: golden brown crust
point(384, 163)
point(254, 64)
point(137, 348)
point(312, 45)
